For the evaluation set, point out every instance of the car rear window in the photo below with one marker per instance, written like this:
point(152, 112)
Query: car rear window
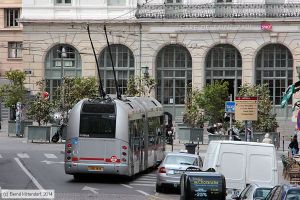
point(293, 194)
point(181, 160)
point(262, 192)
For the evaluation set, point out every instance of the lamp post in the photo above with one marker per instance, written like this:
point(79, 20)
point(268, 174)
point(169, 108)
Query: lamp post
point(63, 55)
point(145, 70)
point(298, 70)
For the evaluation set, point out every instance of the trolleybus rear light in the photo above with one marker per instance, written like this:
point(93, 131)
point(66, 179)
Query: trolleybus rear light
point(74, 159)
point(69, 145)
point(162, 170)
point(124, 147)
point(124, 153)
point(68, 158)
point(69, 151)
point(124, 160)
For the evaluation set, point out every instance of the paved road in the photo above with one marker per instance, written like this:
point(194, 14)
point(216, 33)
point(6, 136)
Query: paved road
point(40, 166)
point(34, 166)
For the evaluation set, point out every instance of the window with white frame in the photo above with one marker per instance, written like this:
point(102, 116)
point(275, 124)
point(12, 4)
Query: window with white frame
point(57, 65)
point(274, 67)
point(63, 2)
point(15, 49)
point(123, 60)
point(116, 2)
point(11, 16)
point(174, 74)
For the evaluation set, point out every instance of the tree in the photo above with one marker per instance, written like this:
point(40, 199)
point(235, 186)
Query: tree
point(140, 86)
point(266, 119)
point(13, 92)
point(40, 108)
point(75, 89)
point(207, 104)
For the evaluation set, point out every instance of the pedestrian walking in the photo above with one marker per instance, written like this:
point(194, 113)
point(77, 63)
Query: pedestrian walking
point(293, 146)
point(267, 139)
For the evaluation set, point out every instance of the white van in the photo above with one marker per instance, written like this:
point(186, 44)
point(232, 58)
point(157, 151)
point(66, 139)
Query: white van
point(243, 162)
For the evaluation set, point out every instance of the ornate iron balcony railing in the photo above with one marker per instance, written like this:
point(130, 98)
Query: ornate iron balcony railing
point(175, 11)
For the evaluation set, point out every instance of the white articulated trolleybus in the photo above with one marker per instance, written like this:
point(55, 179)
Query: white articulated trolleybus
point(113, 136)
point(116, 136)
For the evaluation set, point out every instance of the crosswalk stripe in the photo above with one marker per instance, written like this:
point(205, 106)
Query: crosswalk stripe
point(23, 155)
point(138, 184)
point(50, 155)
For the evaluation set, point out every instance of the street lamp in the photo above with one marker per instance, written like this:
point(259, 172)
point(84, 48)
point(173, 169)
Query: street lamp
point(145, 70)
point(298, 70)
point(63, 55)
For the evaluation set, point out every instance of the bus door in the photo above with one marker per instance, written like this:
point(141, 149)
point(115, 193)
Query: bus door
point(136, 146)
point(145, 143)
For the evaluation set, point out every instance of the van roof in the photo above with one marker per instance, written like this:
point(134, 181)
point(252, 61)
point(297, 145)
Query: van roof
point(241, 143)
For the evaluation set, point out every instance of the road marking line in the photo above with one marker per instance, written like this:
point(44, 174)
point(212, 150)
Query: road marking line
point(142, 181)
point(128, 186)
point(50, 155)
point(145, 179)
point(23, 155)
point(140, 184)
point(144, 193)
point(36, 183)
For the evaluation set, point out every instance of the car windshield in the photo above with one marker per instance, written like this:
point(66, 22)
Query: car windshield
point(293, 194)
point(262, 192)
point(180, 160)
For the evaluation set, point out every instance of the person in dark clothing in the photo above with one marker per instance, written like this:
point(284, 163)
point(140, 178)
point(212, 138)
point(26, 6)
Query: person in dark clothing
point(293, 146)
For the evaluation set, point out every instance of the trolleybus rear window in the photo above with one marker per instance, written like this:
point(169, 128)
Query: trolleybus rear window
point(97, 125)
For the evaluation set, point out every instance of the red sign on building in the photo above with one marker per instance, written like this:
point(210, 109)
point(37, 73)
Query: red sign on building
point(266, 26)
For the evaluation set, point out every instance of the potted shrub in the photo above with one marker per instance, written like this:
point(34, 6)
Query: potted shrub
point(40, 110)
point(266, 122)
point(206, 105)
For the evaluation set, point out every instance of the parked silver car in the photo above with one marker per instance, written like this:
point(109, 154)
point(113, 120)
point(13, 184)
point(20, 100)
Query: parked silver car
point(174, 164)
point(253, 192)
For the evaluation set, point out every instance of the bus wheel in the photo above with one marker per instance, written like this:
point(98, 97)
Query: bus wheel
point(159, 189)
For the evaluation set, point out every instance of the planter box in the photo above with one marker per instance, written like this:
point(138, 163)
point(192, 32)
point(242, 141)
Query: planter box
point(39, 133)
point(212, 137)
point(257, 137)
point(188, 134)
point(12, 126)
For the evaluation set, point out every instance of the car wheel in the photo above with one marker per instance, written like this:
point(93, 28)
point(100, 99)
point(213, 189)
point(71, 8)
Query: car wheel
point(159, 189)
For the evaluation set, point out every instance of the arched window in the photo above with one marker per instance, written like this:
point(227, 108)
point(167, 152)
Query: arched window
point(174, 74)
point(274, 66)
point(124, 66)
point(224, 62)
point(62, 60)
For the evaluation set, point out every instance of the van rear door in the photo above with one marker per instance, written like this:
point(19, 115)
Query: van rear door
point(262, 165)
point(232, 164)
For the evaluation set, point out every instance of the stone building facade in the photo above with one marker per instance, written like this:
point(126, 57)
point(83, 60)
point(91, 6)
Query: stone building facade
point(11, 41)
point(179, 42)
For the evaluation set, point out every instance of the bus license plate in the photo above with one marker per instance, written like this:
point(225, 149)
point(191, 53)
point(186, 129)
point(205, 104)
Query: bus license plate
point(95, 168)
